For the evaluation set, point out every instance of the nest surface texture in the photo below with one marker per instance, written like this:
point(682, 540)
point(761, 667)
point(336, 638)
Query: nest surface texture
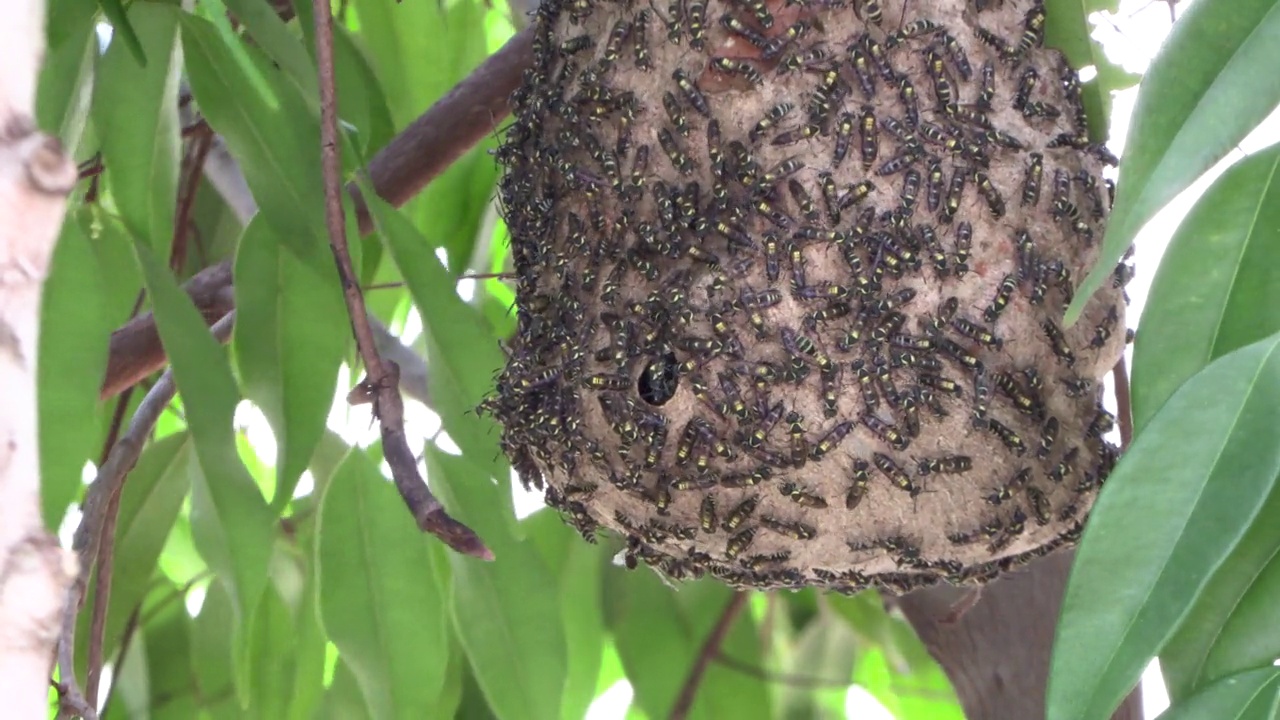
point(790, 287)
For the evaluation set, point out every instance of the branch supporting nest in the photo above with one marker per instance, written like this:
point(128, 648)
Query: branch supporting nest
point(383, 380)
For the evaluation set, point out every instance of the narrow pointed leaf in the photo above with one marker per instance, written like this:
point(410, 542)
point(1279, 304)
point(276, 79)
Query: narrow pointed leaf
point(135, 112)
point(230, 520)
point(287, 346)
point(1171, 513)
point(1250, 695)
point(1222, 268)
point(506, 613)
point(378, 598)
point(66, 76)
point(71, 354)
point(114, 12)
point(211, 643)
point(271, 34)
point(1211, 83)
point(269, 130)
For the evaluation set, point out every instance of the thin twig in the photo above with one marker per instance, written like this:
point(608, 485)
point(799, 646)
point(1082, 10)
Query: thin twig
point(710, 648)
point(382, 380)
point(187, 200)
point(1124, 407)
point(415, 157)
point(109, 482)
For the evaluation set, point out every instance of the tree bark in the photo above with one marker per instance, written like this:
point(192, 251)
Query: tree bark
point(35, 178)
point(996, 652)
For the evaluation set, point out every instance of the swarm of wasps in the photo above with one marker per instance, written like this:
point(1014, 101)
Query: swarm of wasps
point(790, 287)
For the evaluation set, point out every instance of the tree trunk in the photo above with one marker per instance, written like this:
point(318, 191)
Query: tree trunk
point(996, 652)
point(35, 177)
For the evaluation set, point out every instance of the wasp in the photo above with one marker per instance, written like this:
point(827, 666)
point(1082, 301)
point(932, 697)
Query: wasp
point(640, 41)
point(803, 200)
point(1066, 466)
point(910, 191)
point(1033, 30)
point(674, 113)
point(885, 431)
point(1040, 506)
point(759, 299)
point(1001, 539)
point(898, 163)
point(741, 68)
point(793, 530)
point(955, 192)
point(995, 201)
point(959, 353)
point(830, 312)
point(1102, 424)
point(1102, 332)
point(958, 57)
point(1026, 83)
point(799, 445)
point(910, 102)
point(830, 440)
point(897, 475)
point(801, 497)
point(770, 119)
point(977, 333)
point(1011, 486)
point(1024, 403)
point(869, 11)
point(987, 93)
point(739, 542)
point(679, 160)
point(913, 29)
point(964, 241)
point(691, 92)
point(774, 47)
point(1007, 436)
point(854, 195)
point(844, 134)
point(866, 384)
point(1058, 342)
point(862, 70)
point(1031, 181)
point(608, 382)
point(861, 477)
point(1001, 300)
point(737, 27)
point(747, 479)
point(697, 14)
point(947, 465)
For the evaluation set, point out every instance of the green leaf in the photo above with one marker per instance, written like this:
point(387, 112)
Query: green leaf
point(149, 504)
point(172, 681)
point(653, 639)
point(1173, 510)
point(135, 111)
point(70, 356)
point(579, 566)
point(117, 271)
point(825, 649)
point(467, 356)
point(1220, 269)
point(344, 701)
point(211, 654)
point(1250, 695)
point(1210, 84)
point(120, 23)
point(1233, 625)
point(66, 76)
point(724, 692)
point(287, 346)
point(269, 130)
point(507, 613)
point(232, 524)
point(285, 50)
point(272, 658)
point(378, 599)
point(1068, 30)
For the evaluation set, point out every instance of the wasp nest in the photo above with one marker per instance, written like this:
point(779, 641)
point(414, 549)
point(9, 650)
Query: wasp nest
point(790, 282)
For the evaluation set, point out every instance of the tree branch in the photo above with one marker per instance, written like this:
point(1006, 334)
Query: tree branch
point(451, 126)
point(709, 650)
point(383, 377)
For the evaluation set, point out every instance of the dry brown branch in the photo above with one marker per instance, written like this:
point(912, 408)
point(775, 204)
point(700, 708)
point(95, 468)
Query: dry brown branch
point(383, 379)
point(415, 157)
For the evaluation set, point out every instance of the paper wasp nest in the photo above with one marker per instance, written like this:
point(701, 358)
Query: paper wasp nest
point(791, 280)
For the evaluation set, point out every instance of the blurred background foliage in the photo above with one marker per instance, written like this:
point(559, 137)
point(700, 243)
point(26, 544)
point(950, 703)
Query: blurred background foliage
point(262, 564)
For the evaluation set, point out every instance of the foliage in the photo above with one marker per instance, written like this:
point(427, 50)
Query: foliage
point(318, 591)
